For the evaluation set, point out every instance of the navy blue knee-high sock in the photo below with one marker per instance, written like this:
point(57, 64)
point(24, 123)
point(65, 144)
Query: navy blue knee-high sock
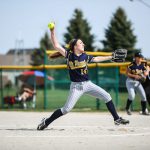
point(129, 102)
point(112, 109)
point(143, 104)
point(53, 117)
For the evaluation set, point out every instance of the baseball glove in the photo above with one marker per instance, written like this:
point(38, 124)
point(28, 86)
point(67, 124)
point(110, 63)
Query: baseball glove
point(119, 55)
point(143, 78)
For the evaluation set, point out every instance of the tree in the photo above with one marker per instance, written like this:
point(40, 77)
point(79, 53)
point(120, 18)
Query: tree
point(79, 28)
point(38, 55)
point(120, 34)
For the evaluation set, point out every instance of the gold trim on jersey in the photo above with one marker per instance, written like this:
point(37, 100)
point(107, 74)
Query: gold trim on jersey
point(77, 65)
point(130, 65)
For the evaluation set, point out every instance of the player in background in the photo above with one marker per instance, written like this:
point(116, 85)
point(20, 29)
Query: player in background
point(136, 73)
point(146, 84)
point(77, 61)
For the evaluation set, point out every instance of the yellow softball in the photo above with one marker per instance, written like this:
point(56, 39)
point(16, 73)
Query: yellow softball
point(51, 25)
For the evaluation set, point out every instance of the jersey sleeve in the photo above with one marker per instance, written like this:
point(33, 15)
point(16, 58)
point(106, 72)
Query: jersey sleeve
point(66, 53)
point(89, 58)
point(130, 66)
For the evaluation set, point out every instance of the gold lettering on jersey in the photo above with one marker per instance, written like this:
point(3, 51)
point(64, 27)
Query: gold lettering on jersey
point(77, 65)
point(137, 71)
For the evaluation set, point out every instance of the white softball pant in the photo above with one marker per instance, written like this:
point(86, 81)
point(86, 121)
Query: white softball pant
point(132, 86)
point(77, 89)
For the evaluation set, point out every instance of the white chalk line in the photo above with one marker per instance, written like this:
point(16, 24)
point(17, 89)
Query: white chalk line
point(75, 126)
point(115, 128)
point(77, 136)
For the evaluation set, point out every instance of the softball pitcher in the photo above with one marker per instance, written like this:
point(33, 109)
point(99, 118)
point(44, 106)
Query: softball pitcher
point(136, 73)
point(77, 61)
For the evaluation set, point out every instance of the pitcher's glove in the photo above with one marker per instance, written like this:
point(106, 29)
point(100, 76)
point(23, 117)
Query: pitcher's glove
point(119, 55)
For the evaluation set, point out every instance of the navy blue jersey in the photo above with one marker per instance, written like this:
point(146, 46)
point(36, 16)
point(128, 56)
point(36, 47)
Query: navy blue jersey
point(136, 69)
point(77, 66)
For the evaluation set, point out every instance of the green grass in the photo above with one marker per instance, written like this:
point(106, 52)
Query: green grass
point(57, 98)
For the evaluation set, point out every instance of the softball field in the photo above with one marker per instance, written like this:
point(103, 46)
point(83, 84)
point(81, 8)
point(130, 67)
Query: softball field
point(74, 131)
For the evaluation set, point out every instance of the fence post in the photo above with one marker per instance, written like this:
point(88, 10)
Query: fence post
point(1, 87)
point(97, 82)
point(45, 83)
point(117, 86)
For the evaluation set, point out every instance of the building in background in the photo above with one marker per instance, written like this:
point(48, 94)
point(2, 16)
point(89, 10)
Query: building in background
point(14, 57)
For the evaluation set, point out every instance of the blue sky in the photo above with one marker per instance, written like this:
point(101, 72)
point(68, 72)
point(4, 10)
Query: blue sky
point(28, 19)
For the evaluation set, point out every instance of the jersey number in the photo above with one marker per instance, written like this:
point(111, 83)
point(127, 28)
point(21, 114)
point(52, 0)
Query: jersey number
point(84, 71)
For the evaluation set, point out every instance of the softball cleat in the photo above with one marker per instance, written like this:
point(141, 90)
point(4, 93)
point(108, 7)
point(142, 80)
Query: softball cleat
point(121, 121)
point(129, 112)
point(146, 112)
point(42, 125)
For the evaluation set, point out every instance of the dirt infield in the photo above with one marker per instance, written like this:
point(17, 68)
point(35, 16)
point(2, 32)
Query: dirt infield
point(74, 131)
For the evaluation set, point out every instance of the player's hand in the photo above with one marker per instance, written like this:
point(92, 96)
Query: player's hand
point(51, 26)
point(137, 77)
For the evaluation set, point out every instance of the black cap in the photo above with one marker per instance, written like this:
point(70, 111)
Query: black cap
point(138, 55)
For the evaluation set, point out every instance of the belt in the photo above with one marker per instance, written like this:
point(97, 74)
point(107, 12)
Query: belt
point(133, 79)
point(81, 82)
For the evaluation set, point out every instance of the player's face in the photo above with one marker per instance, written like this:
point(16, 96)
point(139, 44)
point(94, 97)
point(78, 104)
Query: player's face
point(79, 46)
point(138, 59)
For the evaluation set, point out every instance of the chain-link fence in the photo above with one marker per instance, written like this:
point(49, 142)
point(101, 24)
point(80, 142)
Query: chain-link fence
point(53, 91)
point(49, 86)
